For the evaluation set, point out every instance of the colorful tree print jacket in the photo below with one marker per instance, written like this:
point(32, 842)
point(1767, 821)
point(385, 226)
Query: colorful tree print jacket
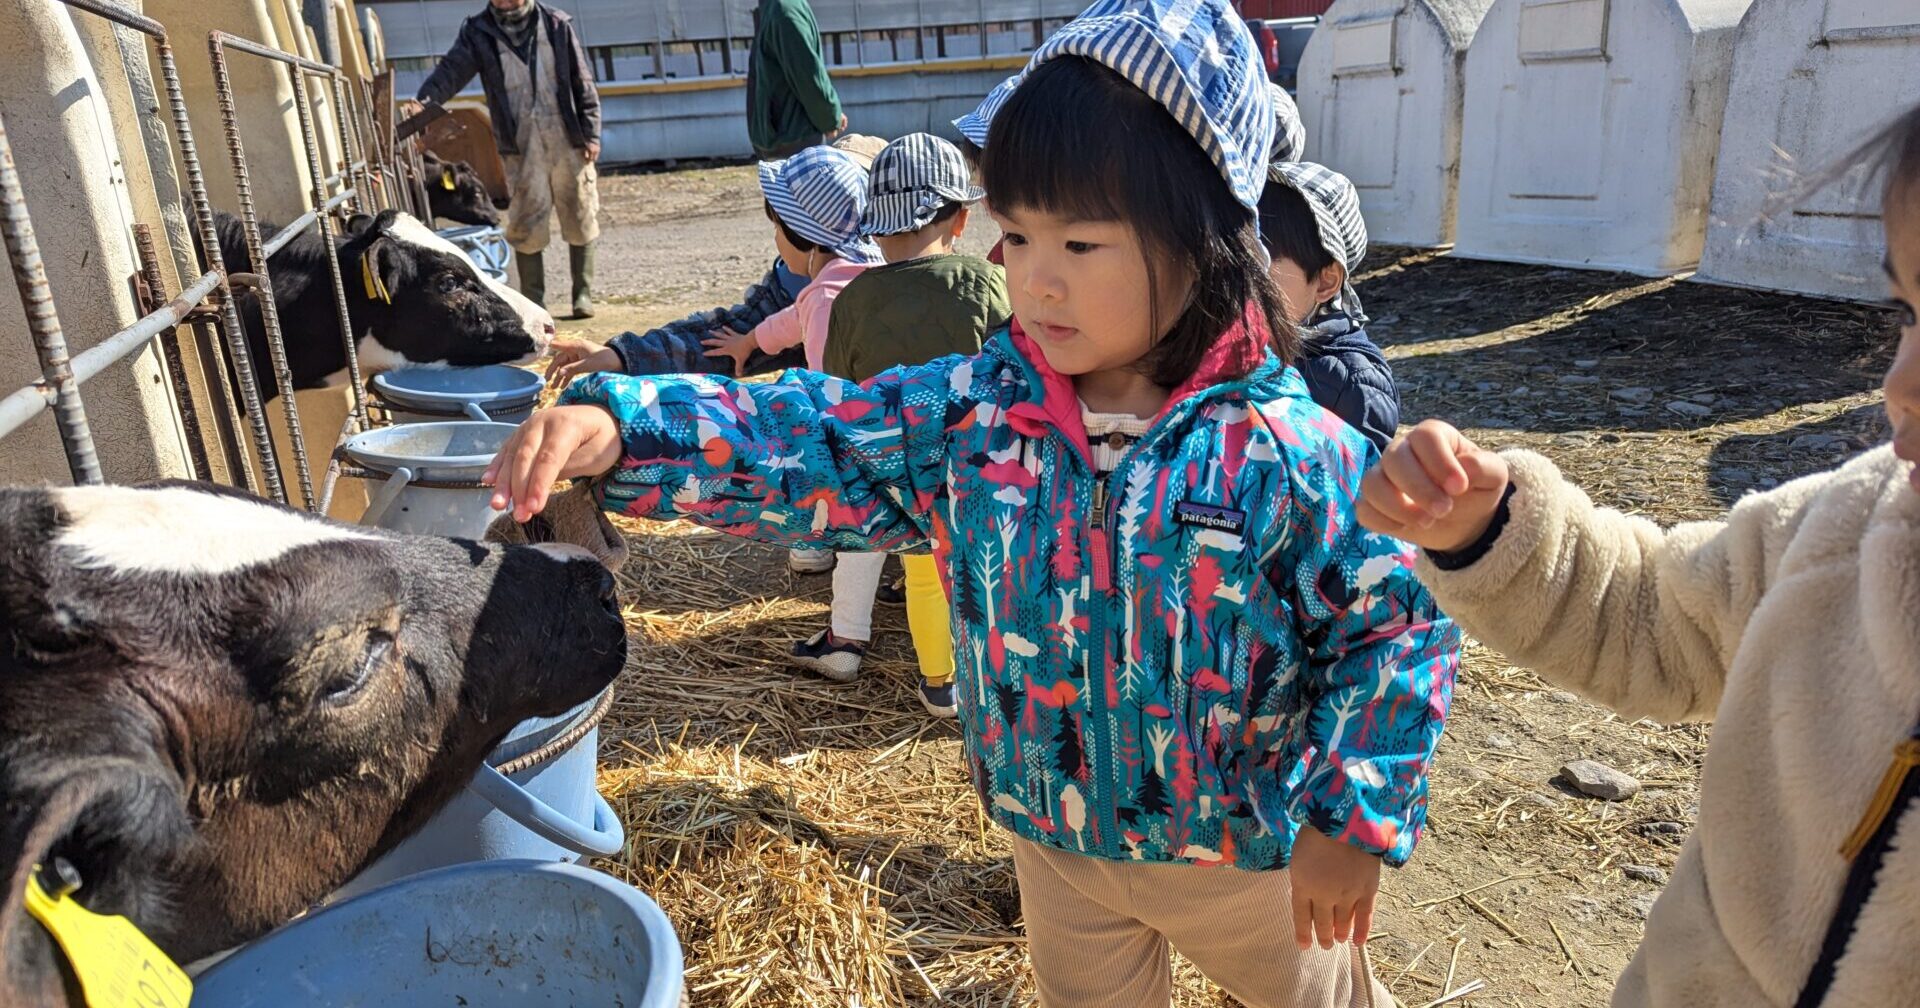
point(1184, 661)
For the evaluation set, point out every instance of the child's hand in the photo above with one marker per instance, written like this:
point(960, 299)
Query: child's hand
point(1334, 885)
point(725, 342)
point(550, 445)
point(1433, 488)
point(573, 357)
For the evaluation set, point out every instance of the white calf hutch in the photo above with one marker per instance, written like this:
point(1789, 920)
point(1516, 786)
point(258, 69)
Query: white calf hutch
point(1381, 93)
point(1811, 79)
point(1590, 131)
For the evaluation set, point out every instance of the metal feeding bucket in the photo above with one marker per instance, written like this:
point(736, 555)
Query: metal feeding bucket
point(534, 798)
point(485, 245)
point(496, 393)
point(499, 933)
point(432, 475)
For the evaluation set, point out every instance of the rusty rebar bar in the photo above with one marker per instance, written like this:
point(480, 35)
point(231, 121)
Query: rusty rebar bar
point(217, 43)
point(236, 336)
point(175, 362)
point(43, 321)
point(307, 135)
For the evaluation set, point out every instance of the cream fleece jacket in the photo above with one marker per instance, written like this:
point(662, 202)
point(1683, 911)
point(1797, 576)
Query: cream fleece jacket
point(1795, 626)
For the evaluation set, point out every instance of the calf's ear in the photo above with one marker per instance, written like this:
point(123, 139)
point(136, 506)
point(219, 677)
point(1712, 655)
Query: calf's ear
point(358, 224)
point(385, 265)
point(573, 517)
point(116, 823)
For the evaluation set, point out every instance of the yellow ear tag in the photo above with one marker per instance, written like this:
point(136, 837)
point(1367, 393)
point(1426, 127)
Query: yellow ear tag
point(446, 179)
point(375, 289)
point(118, 966)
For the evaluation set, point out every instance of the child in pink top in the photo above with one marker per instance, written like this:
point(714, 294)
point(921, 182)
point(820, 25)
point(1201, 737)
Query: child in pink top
point(804, 323)
point(814, 199)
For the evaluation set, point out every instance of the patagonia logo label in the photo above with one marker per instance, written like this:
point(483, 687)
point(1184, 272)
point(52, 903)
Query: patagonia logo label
point(1210, 517)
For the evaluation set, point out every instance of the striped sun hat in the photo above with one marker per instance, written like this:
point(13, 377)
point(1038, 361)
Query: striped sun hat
point(820, 193)
point(1195, 57)
point(1336, 216)
point(1289, 133)
point(912, 179)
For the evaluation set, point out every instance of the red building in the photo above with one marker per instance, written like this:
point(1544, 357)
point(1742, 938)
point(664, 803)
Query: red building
point(1252, 9)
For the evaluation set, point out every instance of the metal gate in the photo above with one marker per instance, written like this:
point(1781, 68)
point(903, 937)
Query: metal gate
point(372, 173)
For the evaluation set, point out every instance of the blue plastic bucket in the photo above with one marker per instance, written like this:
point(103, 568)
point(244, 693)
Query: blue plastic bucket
point(485, 245)
point(495, 393)
point(501, 933)
point(550, 811)
point(431, 475)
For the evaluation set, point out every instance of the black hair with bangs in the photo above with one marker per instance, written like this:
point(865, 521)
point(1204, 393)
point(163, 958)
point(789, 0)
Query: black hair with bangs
point(1078, 140)
point(1289, 230)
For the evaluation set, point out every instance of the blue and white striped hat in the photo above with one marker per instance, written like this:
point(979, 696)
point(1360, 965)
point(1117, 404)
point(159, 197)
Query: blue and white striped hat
point(1289, 133)
point(974, 124)
point(912, 179)
point(1335, 204)
point(1195, 57)
point(820, 193)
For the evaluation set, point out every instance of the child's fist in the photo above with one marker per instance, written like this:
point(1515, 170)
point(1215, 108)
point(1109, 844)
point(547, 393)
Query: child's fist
point(573, 357)
point(1433, 488)
point(552, 444)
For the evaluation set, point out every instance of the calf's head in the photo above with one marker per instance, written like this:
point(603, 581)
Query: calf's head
point(455, 192)
point(218, 710)
point(425, 303)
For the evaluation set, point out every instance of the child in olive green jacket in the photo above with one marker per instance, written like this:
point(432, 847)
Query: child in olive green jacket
point(927, 302)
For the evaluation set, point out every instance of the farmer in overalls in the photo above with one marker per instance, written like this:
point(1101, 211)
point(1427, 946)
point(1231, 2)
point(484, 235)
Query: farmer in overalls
point(546, 124)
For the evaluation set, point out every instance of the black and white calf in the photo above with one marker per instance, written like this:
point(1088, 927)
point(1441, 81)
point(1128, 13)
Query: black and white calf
point(218, 709)
point(412, 296)
point(455, 192)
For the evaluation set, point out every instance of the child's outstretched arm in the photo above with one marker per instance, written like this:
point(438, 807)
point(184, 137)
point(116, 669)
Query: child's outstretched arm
point(1382, 659)
point(810, 459)
point(1636, 617)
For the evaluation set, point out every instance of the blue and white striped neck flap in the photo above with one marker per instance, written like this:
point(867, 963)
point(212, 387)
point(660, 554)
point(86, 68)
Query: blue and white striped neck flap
point(974, 124)
point(1289, 133)
point(821, 193)
point(1195, 57)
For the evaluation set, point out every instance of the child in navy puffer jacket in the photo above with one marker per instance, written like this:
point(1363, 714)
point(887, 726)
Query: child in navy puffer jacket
point(1310, 222)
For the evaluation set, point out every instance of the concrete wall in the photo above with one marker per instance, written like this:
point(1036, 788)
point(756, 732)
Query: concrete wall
point(269, 124)
point(1590, 130)
point(1811, 78)
point(76, 181)
point(1381, 90)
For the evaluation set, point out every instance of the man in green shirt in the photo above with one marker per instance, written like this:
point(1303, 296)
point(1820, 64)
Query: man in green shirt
point(791, 104)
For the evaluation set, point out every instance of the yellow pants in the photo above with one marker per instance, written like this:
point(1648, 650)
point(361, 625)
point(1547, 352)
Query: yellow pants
point(927, 618)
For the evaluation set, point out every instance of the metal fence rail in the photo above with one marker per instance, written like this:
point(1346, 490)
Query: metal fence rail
point(62, 373)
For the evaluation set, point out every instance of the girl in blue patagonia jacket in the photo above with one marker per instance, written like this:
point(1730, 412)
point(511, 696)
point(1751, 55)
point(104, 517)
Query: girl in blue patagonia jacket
point(1176, 648)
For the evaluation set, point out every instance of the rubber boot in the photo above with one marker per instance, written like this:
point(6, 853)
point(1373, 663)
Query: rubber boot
point(533, 276)
point(580, 257)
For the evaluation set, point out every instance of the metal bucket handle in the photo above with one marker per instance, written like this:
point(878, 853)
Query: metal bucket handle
point(384, 497)
point(602, 839)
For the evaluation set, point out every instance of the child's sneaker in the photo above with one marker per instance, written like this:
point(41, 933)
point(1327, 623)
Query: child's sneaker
point(892, 593)
point(828, 656)
point(809, 561)
point(938, 700)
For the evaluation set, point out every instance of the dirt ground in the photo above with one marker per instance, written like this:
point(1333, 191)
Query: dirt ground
point(819, 845)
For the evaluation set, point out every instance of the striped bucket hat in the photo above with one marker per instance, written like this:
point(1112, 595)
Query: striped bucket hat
point(912, 179)
point(1336, 216)
point(1289, 133)
point(1195, 57)
point(820, 193)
